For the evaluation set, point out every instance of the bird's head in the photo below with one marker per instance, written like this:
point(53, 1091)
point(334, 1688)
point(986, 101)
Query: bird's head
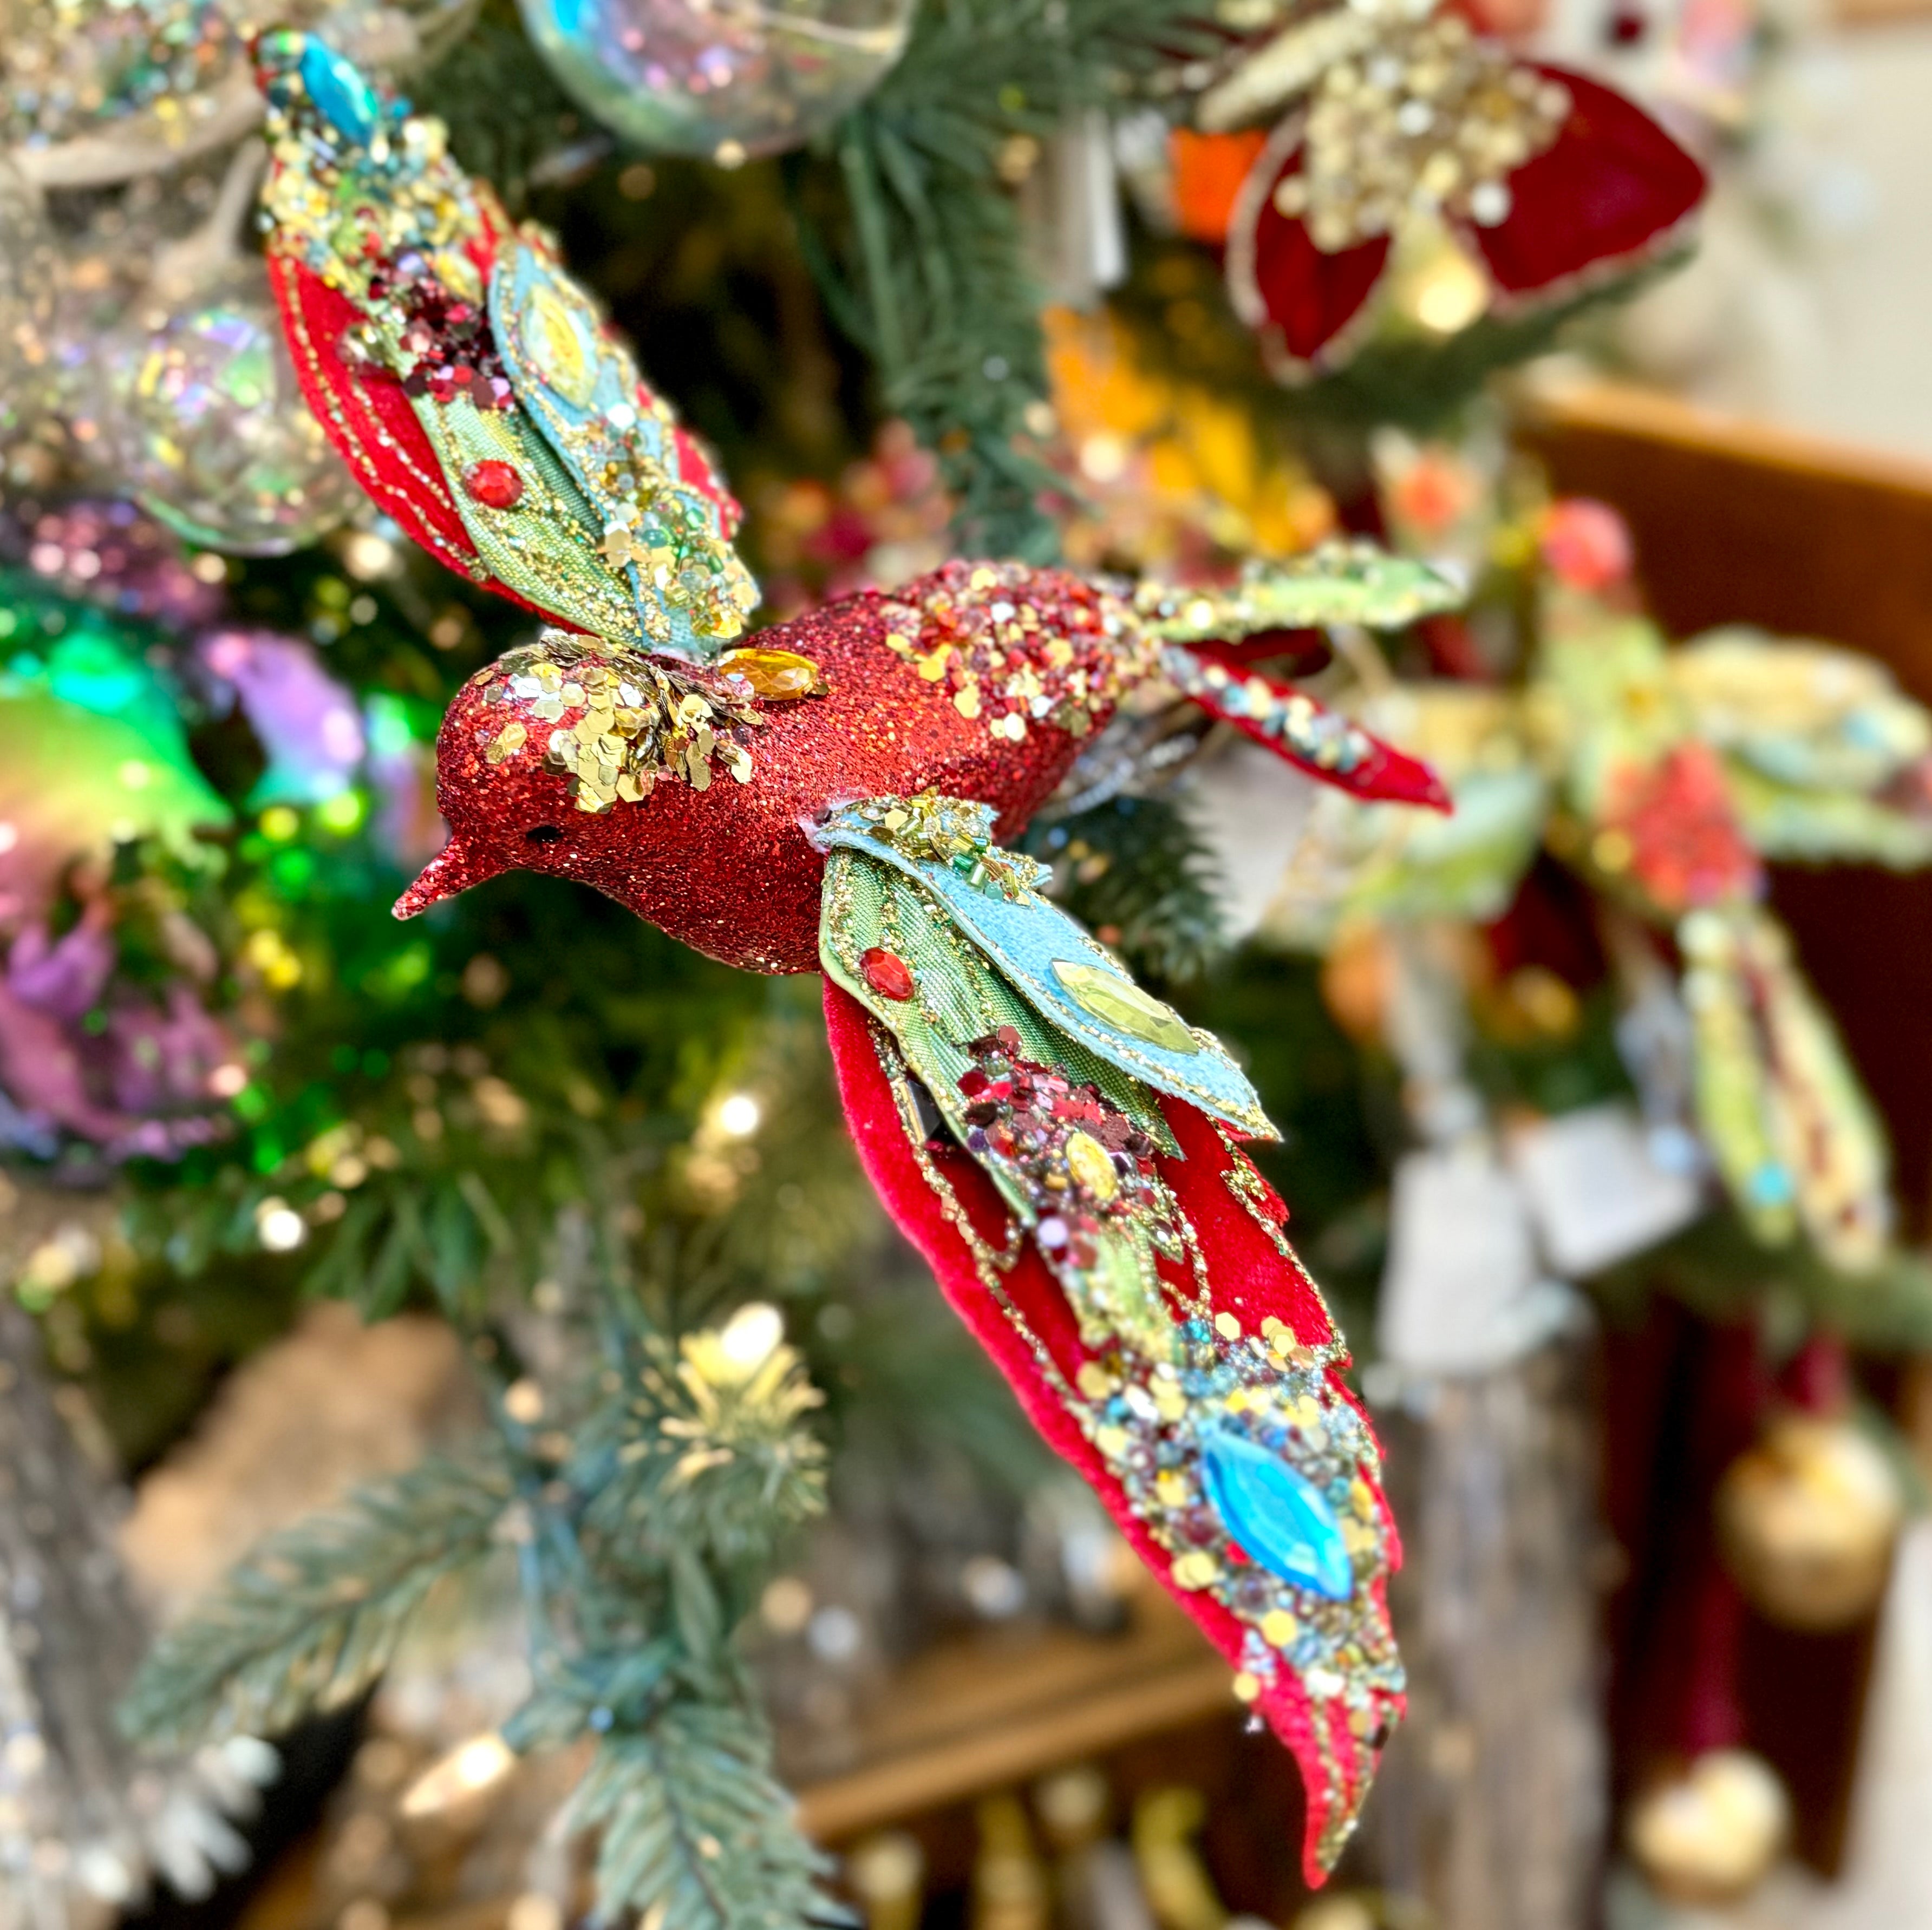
point(539, 749)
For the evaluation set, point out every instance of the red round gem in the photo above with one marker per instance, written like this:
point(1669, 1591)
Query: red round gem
point(496, 485)
point(888, 974)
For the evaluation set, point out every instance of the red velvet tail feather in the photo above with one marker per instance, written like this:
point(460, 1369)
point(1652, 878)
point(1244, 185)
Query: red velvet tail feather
point(1332, 1698)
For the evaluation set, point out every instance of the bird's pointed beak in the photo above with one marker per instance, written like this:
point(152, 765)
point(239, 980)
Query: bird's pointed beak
point(454, 868)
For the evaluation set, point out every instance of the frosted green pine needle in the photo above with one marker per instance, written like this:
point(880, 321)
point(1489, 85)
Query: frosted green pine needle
point(696, 1833)
point(314, 1615)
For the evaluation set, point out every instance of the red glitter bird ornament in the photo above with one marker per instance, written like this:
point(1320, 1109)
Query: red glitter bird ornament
point(1543, 179)
point(826, 796)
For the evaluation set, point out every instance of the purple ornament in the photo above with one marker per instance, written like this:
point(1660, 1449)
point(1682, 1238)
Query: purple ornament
point(306, 721)
point(147, 1082)
point(64, 977)
point(114, 555)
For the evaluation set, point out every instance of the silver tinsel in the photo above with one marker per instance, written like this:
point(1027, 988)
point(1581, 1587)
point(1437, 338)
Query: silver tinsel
point(84, 1824)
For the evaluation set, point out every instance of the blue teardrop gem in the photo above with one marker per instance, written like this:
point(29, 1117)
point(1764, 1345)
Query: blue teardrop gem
point(1277, 1515)
point(341, 95)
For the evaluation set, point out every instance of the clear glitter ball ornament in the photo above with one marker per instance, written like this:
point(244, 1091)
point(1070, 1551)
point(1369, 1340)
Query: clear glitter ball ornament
point(724, 79)
point(29, 276)
point(70, 67)
point(204, 417)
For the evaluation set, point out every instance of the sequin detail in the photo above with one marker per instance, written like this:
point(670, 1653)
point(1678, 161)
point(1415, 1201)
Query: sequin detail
point(956, 832)
point(580, 386)
point(614, 723)
point(1317, 735)
point(1345, 580)
point(1018, 647)
point(1427, 116)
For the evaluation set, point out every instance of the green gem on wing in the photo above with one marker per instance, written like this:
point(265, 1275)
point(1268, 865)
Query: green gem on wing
point(1119, 1003)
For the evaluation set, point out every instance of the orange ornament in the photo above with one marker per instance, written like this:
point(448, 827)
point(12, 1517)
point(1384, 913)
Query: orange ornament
point(1208, 171)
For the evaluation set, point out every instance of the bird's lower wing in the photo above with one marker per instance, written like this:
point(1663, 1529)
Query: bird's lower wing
point(1303, 731)
point(1207, 635)
point(1794, 1137)
point(1063, 1151)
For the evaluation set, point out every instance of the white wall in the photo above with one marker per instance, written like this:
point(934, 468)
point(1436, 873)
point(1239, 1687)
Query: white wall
point(1835, 338)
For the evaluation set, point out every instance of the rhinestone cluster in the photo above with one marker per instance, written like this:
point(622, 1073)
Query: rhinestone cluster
point(1150, 1419)
point(1431, 118)
point(613, 728)
point(1077, 1159)
point(1156, 1403)
point(366, 195)
point(1018, 646)
point(1313, 734)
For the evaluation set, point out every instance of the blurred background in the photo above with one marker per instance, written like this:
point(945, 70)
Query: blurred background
point(477, 1456)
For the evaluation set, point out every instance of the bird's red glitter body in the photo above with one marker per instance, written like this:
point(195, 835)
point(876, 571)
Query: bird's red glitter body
point(729, 869)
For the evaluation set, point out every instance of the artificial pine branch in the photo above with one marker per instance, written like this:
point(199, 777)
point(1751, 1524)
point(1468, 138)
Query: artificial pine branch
point(931, 249)
point(314, 1615)
point(697, 1833)
point(716, 1459)
point(642, 1541)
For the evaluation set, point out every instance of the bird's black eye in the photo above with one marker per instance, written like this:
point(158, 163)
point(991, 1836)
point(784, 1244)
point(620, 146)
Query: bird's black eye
point(542, 833)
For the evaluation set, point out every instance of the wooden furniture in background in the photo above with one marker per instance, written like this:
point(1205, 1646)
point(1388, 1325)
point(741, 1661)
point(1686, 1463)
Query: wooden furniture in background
point(989, 1713)
point(1878, 12)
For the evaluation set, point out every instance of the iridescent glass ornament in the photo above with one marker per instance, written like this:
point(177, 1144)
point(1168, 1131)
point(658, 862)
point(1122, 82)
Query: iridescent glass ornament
point(726, 79)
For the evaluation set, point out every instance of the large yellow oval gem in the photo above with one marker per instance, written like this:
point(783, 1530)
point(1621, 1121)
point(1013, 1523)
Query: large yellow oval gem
point(554, 340)
point(1119, 1003)
point(1093, 1170)
point(780, 674)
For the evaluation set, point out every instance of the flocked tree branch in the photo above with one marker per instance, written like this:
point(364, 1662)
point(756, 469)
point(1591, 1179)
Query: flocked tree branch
point(694, 1823)
point(314, 1615)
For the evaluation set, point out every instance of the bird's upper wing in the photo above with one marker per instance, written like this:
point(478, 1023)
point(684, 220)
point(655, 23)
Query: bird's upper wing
point(471, 385)
point(1827, 758)
point(1207, 637)
point(1063, 1148)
